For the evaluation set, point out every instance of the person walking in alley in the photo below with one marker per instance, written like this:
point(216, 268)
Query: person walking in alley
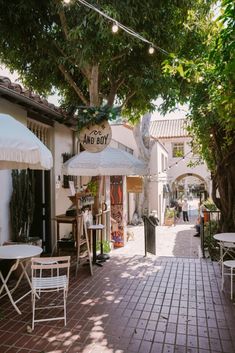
point(185, 208)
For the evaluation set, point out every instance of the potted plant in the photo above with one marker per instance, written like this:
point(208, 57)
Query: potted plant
point(92, 187)
point(169, 216)
point(210, 207)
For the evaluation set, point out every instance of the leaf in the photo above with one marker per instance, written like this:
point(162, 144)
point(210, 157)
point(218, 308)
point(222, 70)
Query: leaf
point(180, 70)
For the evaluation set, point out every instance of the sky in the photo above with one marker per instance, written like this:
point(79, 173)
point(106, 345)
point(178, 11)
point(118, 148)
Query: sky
point(178, 114)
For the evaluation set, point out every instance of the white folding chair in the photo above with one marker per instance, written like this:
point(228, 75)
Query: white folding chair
point(231, 265)
point(45, 280)
point(82, 232)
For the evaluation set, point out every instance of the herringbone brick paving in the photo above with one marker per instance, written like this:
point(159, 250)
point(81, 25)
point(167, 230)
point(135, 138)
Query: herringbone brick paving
point(133, 304)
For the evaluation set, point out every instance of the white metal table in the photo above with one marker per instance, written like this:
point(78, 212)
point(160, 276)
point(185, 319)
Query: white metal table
point(226, 242)
point(21, 253)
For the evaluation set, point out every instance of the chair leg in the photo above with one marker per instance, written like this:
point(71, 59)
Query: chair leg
point(222, 283)
point(231, 283)
point(65, 313)
point(33, 309)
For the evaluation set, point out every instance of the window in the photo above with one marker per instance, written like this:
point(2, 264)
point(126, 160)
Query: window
point(162, 162)
point(125, 148)
point(177, 150)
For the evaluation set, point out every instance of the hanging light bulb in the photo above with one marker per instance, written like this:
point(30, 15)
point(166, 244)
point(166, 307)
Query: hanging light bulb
point(151, 50)
point(115, 27)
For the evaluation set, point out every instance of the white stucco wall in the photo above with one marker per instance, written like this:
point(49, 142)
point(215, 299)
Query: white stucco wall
point(156, 200)
point(62, 143)
point(182, 168)
point(158, 177)
point(125, 136)
point(5, 175)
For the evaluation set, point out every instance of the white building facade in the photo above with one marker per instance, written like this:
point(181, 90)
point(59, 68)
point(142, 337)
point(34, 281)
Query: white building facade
point(155, 197)
point(183, 169)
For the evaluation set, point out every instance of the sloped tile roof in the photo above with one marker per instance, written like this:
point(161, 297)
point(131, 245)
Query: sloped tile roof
point(8, 87)
point(169, 128)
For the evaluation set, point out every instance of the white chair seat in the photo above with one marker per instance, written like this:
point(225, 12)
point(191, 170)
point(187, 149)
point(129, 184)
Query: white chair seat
point(56, 282)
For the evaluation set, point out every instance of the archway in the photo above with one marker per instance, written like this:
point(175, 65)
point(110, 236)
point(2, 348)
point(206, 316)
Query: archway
point(189, 185)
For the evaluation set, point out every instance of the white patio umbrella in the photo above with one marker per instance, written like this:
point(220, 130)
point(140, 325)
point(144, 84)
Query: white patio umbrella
point(110, 161)
point(20, 148)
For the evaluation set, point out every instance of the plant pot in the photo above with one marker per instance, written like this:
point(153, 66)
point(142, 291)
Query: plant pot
point(206, 216)
point(169, 221)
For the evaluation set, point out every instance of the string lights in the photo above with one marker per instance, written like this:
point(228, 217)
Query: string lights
point(116, 25)
point(115, 28)
point(176, 163)
point(151, 50)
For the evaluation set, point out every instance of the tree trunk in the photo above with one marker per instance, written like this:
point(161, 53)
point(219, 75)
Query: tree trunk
point(224, 185)
point(142, 138)
point(94, 86)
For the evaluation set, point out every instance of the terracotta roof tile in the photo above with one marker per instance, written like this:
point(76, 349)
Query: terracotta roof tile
point(169, 128)
point(17, 88)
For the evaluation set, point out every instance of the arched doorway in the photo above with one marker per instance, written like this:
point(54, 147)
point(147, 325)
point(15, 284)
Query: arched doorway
point(188, 185)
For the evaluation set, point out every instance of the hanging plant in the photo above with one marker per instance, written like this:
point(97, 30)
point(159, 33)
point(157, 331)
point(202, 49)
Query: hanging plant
point(88, 116)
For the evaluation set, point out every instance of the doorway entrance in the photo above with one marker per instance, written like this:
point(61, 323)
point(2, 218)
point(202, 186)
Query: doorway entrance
point(41, 226)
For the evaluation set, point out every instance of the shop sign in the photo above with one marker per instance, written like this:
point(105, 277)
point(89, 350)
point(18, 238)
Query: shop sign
point(95, 138)
point(134, 184)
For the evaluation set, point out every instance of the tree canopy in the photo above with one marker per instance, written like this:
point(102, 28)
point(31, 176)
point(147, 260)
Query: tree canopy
point(71, 48)
point(208, 84)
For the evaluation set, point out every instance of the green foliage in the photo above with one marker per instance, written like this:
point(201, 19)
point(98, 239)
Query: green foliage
point(22, 203)
point(209, 204)
point(92, 187)
point(210, 229)
point(170, 213)
point(96, 115)
point(57, 46)
point(106, 246)
point(207, 82)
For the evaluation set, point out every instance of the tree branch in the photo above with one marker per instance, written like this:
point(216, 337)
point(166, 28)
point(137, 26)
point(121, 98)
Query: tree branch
point(128, 98)
point(117, 57)
point(62, 17)
point(84, 71)
point(73, 84)
point(114, 88)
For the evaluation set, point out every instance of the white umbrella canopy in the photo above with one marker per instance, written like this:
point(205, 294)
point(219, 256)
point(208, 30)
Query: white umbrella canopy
point(20, 148)
point(110, 161)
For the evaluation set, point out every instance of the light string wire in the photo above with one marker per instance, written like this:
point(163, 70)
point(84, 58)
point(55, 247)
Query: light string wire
point(170, 166)
point(124, 28)
point(176, 163)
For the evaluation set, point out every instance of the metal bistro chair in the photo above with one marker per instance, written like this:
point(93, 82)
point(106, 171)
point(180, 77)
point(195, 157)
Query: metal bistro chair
point(230, 264)
point(226, 248)
point(44, 280)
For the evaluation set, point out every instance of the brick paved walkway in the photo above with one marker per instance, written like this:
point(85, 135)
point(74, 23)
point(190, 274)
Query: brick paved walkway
point(162, 304)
